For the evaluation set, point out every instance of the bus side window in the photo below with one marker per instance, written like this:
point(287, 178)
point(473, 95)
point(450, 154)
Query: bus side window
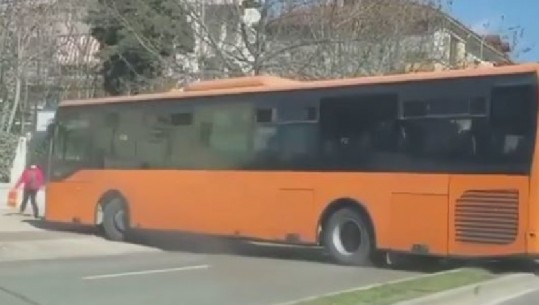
point(355, 129)
point(285, 137)
point(298, 144)
point(512, 122)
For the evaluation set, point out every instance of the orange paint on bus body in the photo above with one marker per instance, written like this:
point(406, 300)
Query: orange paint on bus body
point(407, 210)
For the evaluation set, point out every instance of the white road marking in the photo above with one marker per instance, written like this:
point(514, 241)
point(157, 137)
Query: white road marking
point(144, 272)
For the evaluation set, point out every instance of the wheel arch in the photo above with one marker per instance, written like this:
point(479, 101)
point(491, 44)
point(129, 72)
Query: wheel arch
point(107, 197)
point(340, 203)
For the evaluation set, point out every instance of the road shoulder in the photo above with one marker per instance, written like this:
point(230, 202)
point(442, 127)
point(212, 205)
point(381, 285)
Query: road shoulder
point(395, 291)
point(491, 292)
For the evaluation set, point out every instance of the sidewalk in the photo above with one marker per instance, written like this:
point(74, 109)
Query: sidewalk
point(11, 221)
point(4, 191)
point(24, 238)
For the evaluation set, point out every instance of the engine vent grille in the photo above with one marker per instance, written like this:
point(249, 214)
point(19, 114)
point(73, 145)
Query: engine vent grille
point(487, 217)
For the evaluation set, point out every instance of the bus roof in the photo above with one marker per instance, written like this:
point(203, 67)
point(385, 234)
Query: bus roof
point(255, 84)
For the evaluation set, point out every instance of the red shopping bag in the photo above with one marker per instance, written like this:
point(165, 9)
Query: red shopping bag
point(12, 198)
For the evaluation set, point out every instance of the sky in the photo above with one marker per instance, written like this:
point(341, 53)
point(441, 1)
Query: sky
point(505, 17)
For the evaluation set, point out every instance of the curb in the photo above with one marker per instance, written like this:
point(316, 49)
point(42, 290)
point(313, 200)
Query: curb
point(491, 292)
point(366, 287)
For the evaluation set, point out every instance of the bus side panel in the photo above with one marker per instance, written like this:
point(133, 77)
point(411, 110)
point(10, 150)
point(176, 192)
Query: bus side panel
point(419, 223)
point(418, 206)
point(288, 206)
point(74, 199)
point(63, 201)
point(487, 215)
point(266, 205)
point(275, 206)
point(166, 200)
point(532, 233)
point(396, 203)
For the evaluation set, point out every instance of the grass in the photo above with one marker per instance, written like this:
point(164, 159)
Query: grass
point(401, 291)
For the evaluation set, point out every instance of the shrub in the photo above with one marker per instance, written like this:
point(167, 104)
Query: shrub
point(8, 145)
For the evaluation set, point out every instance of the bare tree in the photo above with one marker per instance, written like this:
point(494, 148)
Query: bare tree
point(228, 42)
point(76, 71)
point(232, 35)
point(363, 37)
point(46, 54)
point(25, 41)
point(25, 33)
point(311, 39)
point(306, 39)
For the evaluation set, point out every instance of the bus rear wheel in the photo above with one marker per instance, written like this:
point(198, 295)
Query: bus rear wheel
point(348, 239)
point(115, 220)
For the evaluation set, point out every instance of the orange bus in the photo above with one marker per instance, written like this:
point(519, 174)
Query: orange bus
point(436, 164)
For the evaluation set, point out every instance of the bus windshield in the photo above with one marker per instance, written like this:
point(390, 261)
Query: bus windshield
point(70, 145)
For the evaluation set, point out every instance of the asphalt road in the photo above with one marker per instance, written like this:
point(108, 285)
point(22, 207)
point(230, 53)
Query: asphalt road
point(530, 298)
point(47, 265)
point(42, 264)
point(177, 278)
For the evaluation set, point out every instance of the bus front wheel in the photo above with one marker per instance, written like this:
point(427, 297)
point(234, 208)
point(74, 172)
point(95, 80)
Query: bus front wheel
point(347, 238)
point(115, 220)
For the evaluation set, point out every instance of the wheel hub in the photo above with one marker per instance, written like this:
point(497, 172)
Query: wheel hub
point(347, 237)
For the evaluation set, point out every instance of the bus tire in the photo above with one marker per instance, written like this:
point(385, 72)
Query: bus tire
point(348, 238)
point(115, 220)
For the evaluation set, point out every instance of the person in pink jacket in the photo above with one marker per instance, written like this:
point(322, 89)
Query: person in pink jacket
point(33, 180)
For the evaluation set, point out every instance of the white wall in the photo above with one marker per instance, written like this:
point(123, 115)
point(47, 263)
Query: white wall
point(19, 164)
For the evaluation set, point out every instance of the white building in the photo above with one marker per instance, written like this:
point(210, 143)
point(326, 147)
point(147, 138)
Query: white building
point(350, 38)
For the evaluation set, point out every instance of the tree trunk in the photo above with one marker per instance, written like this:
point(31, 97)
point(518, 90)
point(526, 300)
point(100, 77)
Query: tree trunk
point(16, 101)
point(4, 115)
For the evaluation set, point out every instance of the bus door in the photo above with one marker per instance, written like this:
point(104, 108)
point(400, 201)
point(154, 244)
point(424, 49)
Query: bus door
point(67, 179)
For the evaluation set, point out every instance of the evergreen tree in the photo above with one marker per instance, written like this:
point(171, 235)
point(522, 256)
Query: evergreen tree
point(137, 38)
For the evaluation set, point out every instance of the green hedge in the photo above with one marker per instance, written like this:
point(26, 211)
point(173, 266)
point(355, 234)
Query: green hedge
point(8, 146)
